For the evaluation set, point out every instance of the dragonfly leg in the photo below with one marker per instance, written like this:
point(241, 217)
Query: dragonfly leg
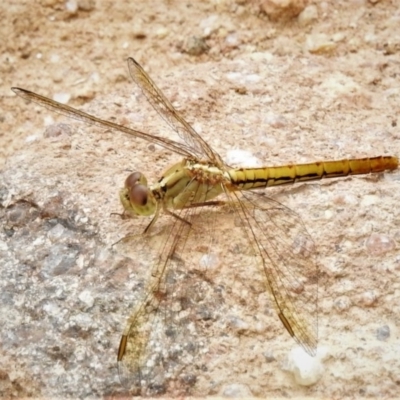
point(126, 238)
point(207, 204)
point(153, 221)
point(122, 215)
point(172, 214)
point(204, 204)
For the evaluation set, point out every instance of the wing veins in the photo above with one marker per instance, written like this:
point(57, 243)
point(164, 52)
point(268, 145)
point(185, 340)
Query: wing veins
point(174, 242)
point(304, 336)
point(197, 145)
point(79, 115)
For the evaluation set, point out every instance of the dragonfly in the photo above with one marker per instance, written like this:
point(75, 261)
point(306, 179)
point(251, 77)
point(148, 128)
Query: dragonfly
point(161, 342)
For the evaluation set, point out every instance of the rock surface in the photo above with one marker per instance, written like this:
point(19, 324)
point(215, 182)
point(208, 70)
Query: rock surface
point(281, 92)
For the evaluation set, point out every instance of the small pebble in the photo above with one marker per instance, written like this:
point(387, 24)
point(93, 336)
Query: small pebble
point(342, 304)
point(236, 390)
point(86, 298)
point(57, 131)
point(319, 43)
point(378, 244)
point(383, 333)
point(282, 9)
point(308, 15)
point(195, 46)
point(62, 97)
point(369, 298)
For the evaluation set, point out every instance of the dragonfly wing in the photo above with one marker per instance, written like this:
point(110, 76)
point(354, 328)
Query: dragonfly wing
point(161, 347)
point(193, 142)
point(71, 112)
point(288, 264)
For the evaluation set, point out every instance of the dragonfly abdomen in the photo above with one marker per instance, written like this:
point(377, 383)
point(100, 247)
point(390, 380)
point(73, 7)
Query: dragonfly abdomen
point(252, 178)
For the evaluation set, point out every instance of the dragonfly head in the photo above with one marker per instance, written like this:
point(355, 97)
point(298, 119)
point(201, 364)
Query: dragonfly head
point(136, 197)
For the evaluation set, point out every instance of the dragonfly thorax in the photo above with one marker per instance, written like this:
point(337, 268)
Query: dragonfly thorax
point(188, 183)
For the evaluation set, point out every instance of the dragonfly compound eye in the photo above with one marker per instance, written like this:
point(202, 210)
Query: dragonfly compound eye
point(138, 194)
point(135, 178)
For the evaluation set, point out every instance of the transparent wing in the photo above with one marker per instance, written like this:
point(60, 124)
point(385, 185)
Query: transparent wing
point(286, 255)
point(160, 350)
point(92, 120)
point(194, 142)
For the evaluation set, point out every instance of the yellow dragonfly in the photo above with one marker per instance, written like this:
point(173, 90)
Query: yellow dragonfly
point(161, 343)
